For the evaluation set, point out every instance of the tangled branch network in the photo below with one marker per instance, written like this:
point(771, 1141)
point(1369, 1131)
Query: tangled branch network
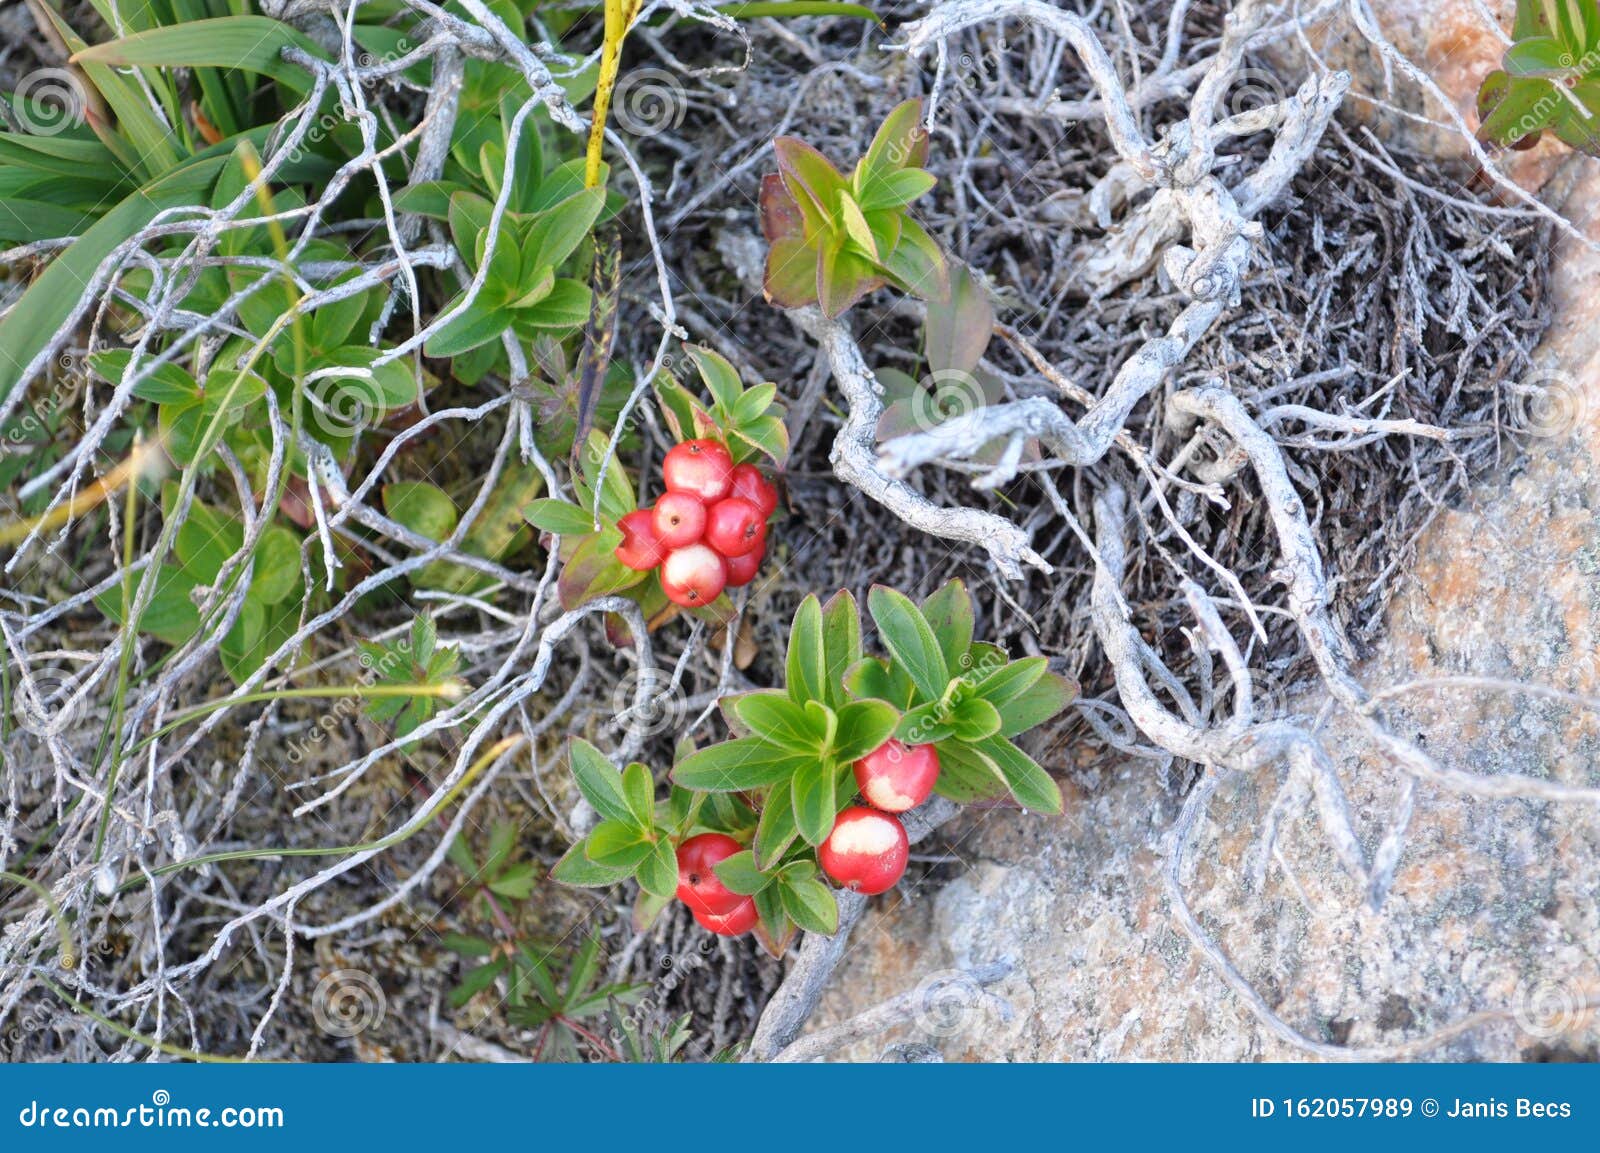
point(1174, 211)
point(137, 912)
point(126, 849)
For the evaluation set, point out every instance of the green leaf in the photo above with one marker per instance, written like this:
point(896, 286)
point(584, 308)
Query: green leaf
point(974, 719)
point(620, 844)
point(561, 517)
point(897, 189)
point(516, 883)
point(600, 783)
point(841, 642)
point(948, 612)
point(165, 384)
point(959, 326)
point(806, 669)
point(737, 765)
point(567, 307)
point(1540, 56)
point(910, 640)
point(776, 830)
point(863, 726)
point(639, 792)
point(56, 293)
point(1049, 696)
point(558, 231)
point(777, 719)
point(425, 509)
point(465, 945)
point(815, 803)
point(900, 142)
point(476, 981)
point(476, 325)
point(740, 874)
point(577, 869)
point(275, 575)
point(871, 677)
point(658, 872)
point(811, 905)
point(247, 43)
point(1026, 780)
point(720, 377)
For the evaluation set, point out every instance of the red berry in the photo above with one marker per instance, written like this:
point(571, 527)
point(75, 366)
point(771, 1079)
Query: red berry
point(678, 519)
point(698, 885)
point(701, 468)
point(734, 924)
point(693, 576)
point(742, 569)
point(866, 851)
point(750, 485)
point(894, 778)
point(735, 527)
point(641, 550)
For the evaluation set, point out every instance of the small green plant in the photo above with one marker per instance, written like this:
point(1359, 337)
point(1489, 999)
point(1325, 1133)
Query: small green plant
point(756, 809)
point(739, 425)
point(834, 240)
point(415, 659)
point(1549, 79)
point(204, 543)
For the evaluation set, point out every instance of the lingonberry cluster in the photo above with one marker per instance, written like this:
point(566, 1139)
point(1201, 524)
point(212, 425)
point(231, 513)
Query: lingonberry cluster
point(708, 531)
point(716, 908)
point(866, 851)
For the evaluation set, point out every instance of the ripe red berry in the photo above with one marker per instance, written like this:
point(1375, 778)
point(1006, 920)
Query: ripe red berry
point(701, 468)
point(894, 777)
point(735, 527)
point(750, 485)
point(866, 852)
point(693, 576)
point(734, 924)
point(742, 569)
point(698, 885)
point(678, 519)
point(641, 550)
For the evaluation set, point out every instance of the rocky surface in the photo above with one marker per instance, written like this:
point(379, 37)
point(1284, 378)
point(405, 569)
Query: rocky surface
point(1495, 912)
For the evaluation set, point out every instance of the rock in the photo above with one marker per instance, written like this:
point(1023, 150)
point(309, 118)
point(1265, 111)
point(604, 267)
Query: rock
point(1494, 918)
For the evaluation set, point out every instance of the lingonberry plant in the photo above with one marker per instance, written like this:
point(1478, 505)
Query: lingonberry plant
point(833, 240)
point(708, 530)
point(1549, 79)
point(748, 821)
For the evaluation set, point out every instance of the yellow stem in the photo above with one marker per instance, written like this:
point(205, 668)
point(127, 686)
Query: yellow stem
point(619, 17)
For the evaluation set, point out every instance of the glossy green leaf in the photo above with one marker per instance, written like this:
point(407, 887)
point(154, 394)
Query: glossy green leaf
point(601, 785)
point(812, 792)
point(811, 905)
point(740, 874)
point(910, 640)
point(737, 765)
point(807, 665)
